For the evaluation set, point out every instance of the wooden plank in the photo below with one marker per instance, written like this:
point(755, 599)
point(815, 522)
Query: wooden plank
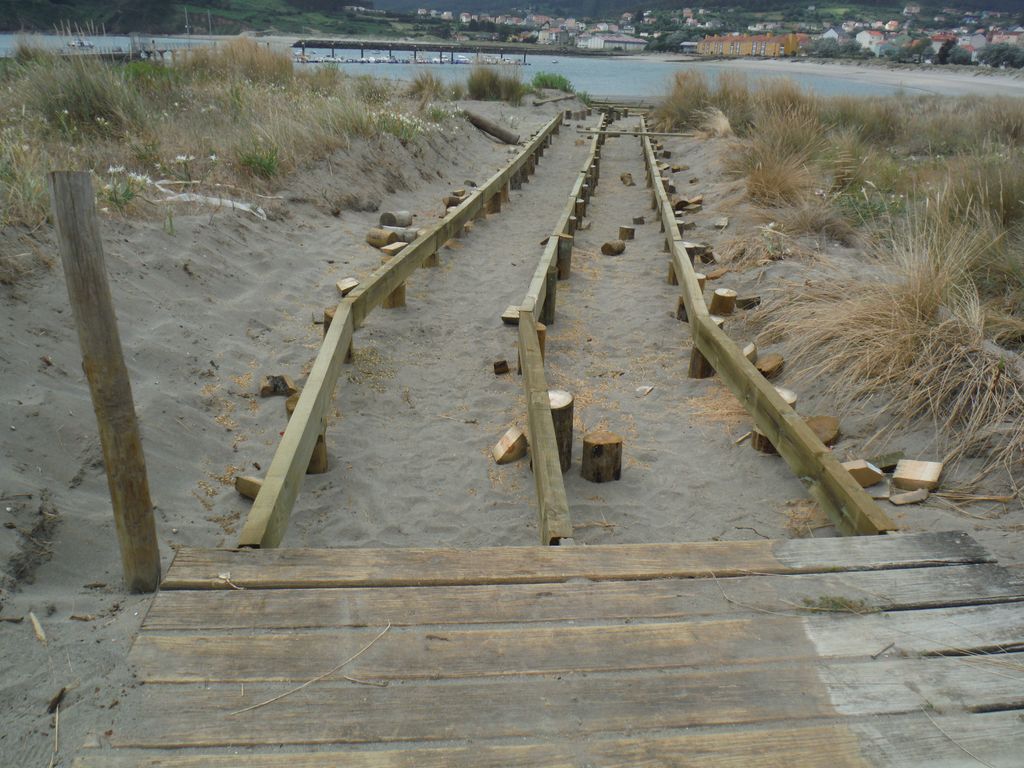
point(267, 521)
point(429, 653)
point(566, 706)
point(552, 504)
point(315, 568)
point(81, 253)
point(849, 508)
point(901, 589)
point(899, 741)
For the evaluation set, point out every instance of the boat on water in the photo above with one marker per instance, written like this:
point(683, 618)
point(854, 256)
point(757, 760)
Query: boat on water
point(80, 44)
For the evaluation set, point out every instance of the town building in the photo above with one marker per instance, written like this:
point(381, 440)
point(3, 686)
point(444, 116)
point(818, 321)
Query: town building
point(752, 45)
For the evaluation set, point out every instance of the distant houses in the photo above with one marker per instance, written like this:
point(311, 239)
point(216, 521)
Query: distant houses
point(752, 45)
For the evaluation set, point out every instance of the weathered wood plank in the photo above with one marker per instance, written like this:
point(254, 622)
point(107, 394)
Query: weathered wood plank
point(899, 741)
point(901, 589)
point(315, 568)
point(568, 706)
point(849, 508)
point(552, 505)
point(547, 649)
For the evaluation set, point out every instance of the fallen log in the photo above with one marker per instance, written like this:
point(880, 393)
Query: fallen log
point(492, 128)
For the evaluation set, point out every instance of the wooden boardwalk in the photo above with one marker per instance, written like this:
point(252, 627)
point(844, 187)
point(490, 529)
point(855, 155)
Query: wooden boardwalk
point(875, 651)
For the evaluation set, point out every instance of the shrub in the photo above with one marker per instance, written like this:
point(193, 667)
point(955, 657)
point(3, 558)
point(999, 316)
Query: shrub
point(239, 58)
point(488, 84)
point(78, 95)
point(261, 160)
point(689, 96)
point(427, 86)
point(552, 82)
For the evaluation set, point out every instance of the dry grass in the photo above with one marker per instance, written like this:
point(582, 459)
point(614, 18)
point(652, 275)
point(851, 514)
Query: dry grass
point(759, 246)
point(488, 83)
point(237, 116)
point(915, 333)
point(714, 124)
point(812, 215)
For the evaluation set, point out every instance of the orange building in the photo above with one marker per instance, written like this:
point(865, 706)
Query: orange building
point(752, 45)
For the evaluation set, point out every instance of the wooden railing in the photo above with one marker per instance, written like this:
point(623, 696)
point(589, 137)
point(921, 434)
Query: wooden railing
point(847, 505)
point(267, 521)
point(539, 304)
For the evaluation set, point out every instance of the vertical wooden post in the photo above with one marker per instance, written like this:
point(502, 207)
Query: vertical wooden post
point(81, 251)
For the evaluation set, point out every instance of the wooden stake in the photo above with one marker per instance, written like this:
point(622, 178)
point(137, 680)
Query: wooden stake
point(758, 439)
point(602, 457)
point(626, 233)
point(723, 301)
point(81, 252)
point(563, 261)
point(561, 415)
point(431, 261)
point(672, 279)
point(494, 204)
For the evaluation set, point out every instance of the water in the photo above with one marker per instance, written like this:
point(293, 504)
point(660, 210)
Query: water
point(598, 76)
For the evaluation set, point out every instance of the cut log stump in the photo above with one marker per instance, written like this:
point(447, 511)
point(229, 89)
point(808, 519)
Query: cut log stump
point(770, 365)
point(500, 367)
point(826, 428)
point(626, 233)
point(613, 248)
point(627, 179)
point(396, 219)
point(379, 237)
point(511, 447)
point(602, 457)
point(723, 301)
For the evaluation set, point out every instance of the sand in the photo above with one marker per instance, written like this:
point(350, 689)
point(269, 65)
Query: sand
point(206, 311)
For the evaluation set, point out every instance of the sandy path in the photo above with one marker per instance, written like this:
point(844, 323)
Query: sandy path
point(421, 406)
point(683, 478)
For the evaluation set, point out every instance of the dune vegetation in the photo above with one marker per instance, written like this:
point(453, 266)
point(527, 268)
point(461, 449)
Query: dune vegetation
point(233, 118)
point(932, 191)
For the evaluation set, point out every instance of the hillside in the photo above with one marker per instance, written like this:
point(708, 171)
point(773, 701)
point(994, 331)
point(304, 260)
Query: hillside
point(302, 16)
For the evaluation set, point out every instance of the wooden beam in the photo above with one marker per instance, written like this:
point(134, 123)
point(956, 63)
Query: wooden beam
point(552, 505)
point(848, 507)
point(268, 519)
point(622, 132)
point(81, 252)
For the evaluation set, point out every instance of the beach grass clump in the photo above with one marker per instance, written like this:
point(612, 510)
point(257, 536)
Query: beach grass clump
point(235, 115)
point(778, 161)
point(552, 81)
point(75, 96)
point(239, 58)
point(915, 332)
point(684, 104)
point(487, 83)
point(427, 87)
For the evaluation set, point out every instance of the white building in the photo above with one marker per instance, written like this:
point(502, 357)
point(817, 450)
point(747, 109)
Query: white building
point(611, 43)
point(871, 40)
